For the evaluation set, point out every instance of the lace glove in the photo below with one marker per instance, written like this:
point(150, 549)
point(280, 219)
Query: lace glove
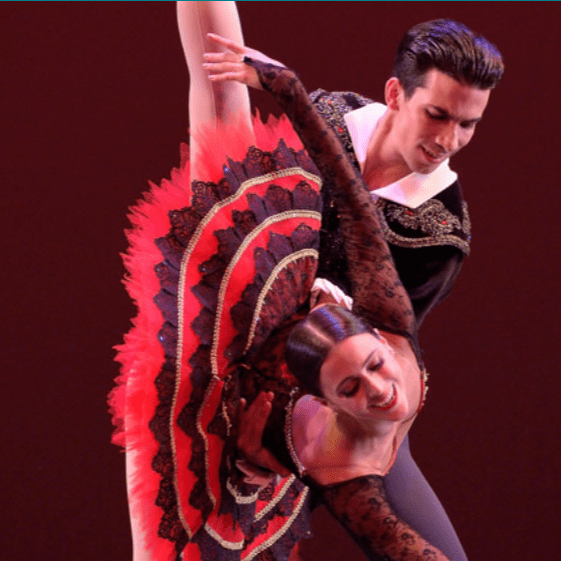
point(379, 297)
point(360, 505)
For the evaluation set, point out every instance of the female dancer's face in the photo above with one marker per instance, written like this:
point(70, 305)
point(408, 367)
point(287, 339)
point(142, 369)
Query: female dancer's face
point(362, 378)
point(437, 121)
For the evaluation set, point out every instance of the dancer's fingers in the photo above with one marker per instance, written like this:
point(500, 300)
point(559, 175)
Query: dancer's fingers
point(232, 45)
point(232, 71)
point(242, 51)
point(252, 421)
point(223, 67)
point(222, 57)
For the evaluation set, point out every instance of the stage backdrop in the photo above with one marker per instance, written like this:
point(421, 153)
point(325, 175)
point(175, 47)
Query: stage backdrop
point(94, 104)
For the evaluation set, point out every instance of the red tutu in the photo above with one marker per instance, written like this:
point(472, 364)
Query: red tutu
point(214, 282)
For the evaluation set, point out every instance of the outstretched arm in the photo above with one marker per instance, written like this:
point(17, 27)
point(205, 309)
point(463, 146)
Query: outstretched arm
point(442, 533)
point(378, 294)
point(361, 507)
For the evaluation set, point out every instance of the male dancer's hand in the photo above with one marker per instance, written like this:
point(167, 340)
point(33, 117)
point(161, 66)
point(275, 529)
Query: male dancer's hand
point(258, 463)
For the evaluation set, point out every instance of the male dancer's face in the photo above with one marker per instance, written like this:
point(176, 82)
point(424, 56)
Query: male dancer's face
point(437, 121)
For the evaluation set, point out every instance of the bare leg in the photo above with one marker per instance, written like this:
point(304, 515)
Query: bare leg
point(210, 102)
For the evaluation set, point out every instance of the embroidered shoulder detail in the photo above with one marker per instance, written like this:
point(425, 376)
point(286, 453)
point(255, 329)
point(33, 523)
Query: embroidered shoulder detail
point(430, 224)
point(333, 106)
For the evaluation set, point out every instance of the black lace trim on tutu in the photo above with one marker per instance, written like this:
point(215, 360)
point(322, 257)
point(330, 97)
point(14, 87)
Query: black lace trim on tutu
point(184, 223)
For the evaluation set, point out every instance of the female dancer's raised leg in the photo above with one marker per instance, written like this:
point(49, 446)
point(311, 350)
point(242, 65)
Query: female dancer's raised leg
point(210, 103)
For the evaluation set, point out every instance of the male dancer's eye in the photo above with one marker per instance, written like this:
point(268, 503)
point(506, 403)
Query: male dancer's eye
point(468, 125)
point(436, 116)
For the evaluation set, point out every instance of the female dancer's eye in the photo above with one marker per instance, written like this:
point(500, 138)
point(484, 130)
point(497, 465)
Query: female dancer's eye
point(350, 388)
point(374, 366)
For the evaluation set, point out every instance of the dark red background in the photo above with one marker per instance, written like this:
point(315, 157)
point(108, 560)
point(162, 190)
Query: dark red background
point(94, 103)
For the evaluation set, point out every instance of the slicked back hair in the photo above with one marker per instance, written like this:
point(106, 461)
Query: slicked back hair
point(453, 49)
point(311, 340)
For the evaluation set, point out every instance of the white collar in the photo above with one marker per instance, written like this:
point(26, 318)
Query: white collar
point(412, 190)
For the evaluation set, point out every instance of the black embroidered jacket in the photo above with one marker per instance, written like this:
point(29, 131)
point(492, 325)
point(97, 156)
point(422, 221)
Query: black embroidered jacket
point(428, 243)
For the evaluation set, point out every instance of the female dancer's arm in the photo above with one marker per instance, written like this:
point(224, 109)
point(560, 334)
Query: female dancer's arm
point(378, 294)
point(361, 504)
point(407, 489)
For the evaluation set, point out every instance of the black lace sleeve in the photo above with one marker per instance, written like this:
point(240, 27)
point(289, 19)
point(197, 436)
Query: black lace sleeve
point(361, 507)
point(378, 294)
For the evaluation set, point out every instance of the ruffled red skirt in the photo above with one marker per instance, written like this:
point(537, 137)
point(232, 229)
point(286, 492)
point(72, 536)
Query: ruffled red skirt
point(217, 269)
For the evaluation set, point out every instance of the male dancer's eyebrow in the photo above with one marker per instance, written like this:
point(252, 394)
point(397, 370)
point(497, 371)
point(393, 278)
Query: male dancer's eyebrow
point(444, 113)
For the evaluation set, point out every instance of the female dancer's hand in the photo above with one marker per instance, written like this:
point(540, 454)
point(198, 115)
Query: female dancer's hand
point(230, 65)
